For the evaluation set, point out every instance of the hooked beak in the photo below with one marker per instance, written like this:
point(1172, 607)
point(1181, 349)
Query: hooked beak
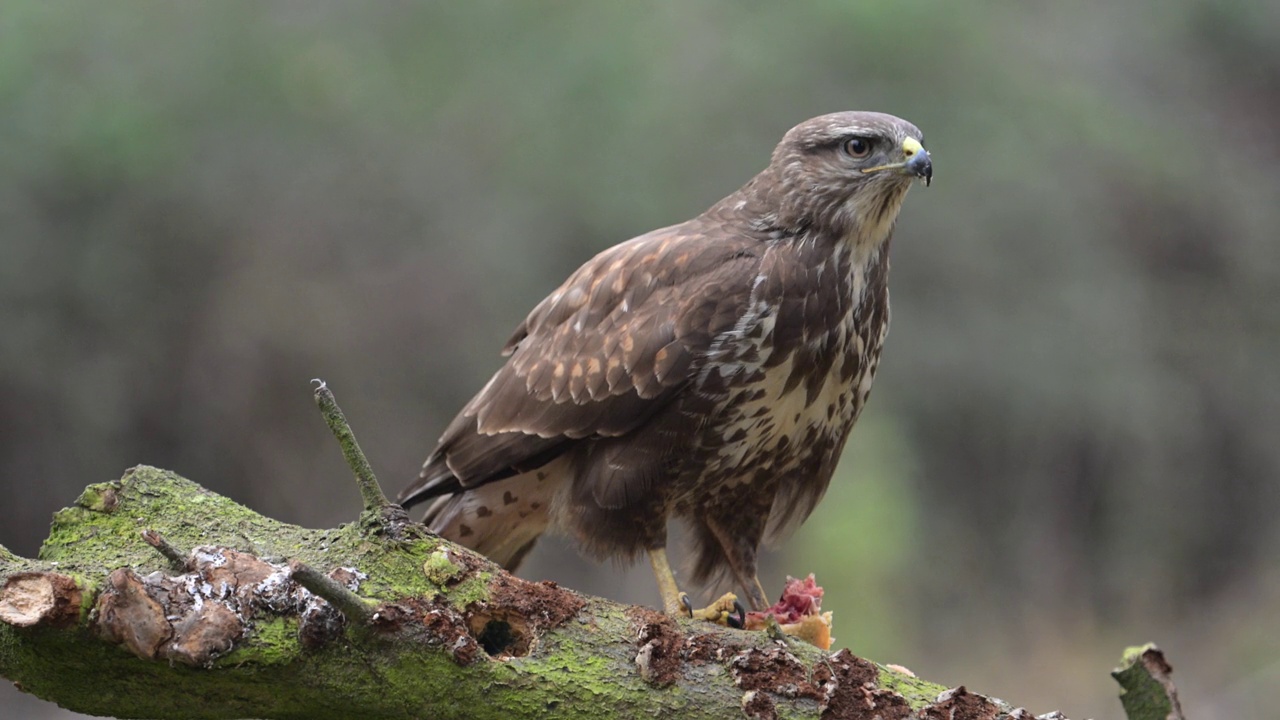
point(916, 163)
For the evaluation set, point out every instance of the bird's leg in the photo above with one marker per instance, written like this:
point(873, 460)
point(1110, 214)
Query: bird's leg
point(755, 593)
point(672, 598)
point(739, 546)
point(726, 610)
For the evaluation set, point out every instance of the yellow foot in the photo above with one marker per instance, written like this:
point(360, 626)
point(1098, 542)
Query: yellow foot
point(726, 610)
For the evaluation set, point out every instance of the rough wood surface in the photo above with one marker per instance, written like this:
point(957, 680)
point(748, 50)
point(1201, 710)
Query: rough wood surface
point(231, 633)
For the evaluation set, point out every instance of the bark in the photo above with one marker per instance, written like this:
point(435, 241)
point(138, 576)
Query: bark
point(155, 598)
point(1146, 682)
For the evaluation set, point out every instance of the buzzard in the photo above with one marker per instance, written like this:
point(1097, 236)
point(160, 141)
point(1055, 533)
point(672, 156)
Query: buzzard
point(708, 371)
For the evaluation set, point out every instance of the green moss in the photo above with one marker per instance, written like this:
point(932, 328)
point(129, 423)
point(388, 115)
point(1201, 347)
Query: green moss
point(1133, 654)
point(1143, 696)
point(412, 677)
point(99, 497)
point(439, 569)
point(104, 529)
point(104, 525)
point(401, 566)
point(472, 590)
point(918, 693)
point(274, 641)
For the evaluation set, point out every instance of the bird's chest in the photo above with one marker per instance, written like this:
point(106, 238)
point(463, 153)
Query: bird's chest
point(794, 379)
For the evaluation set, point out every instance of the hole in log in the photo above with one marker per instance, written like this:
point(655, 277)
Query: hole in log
point(496, 637)
point(501, 634)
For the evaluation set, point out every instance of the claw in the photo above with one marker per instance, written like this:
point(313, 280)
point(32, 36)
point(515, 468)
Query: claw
point(720, 611)
point(687, 604)
point(738, 618)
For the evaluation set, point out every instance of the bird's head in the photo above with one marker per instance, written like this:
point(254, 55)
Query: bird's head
point(845, 173)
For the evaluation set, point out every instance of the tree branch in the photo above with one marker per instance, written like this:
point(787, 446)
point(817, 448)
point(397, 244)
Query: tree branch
point(370, 491)
point(177, 561)
point(353, 607)
point(402, 625)
point(450, 635)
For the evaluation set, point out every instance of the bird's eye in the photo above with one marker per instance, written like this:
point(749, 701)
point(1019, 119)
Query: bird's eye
point(857, 148)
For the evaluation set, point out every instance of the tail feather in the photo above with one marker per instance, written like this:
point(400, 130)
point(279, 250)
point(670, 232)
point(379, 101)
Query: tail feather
point(501, 520)
point(434, 481)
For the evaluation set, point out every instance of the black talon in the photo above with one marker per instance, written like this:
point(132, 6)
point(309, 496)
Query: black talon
point(740, 621)
point(687, 604)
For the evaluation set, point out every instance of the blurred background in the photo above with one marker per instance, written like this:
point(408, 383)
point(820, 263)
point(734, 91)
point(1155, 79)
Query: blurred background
point(1074, 442)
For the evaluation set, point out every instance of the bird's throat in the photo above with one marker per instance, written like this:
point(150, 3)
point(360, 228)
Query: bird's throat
point(873, 217)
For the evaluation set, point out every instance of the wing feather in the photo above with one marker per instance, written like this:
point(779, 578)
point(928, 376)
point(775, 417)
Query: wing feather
point(598, 358)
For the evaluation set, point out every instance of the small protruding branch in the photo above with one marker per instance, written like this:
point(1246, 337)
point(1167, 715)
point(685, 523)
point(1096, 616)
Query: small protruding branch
point(177, 559)
point(1147, 686)
point(356, 609)
point(370, 491)
point(39, 598)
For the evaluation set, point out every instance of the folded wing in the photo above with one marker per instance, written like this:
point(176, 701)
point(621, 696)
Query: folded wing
point(611, 349)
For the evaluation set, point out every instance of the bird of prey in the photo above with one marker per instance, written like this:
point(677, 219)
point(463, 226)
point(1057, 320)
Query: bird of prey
point(709, 371)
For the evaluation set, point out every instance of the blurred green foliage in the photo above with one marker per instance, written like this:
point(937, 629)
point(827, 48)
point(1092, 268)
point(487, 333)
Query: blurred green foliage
point(1072, 443)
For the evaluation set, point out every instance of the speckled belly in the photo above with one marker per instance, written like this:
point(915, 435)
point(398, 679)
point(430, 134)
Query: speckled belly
point(771, 423)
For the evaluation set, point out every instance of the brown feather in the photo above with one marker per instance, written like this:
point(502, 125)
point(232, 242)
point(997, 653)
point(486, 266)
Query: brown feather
point(710, 370)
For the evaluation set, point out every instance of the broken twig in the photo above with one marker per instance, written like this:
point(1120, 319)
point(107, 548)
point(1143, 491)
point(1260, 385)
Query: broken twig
point(356, 609)
point(1147, 686)
point(177, 559)
point(370, 491)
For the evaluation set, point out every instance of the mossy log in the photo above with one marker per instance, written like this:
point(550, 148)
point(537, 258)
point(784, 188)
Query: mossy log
point(155, 598)
point(103, 623)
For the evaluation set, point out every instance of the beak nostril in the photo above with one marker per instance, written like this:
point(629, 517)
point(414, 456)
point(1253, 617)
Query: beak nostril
point(911, 148)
